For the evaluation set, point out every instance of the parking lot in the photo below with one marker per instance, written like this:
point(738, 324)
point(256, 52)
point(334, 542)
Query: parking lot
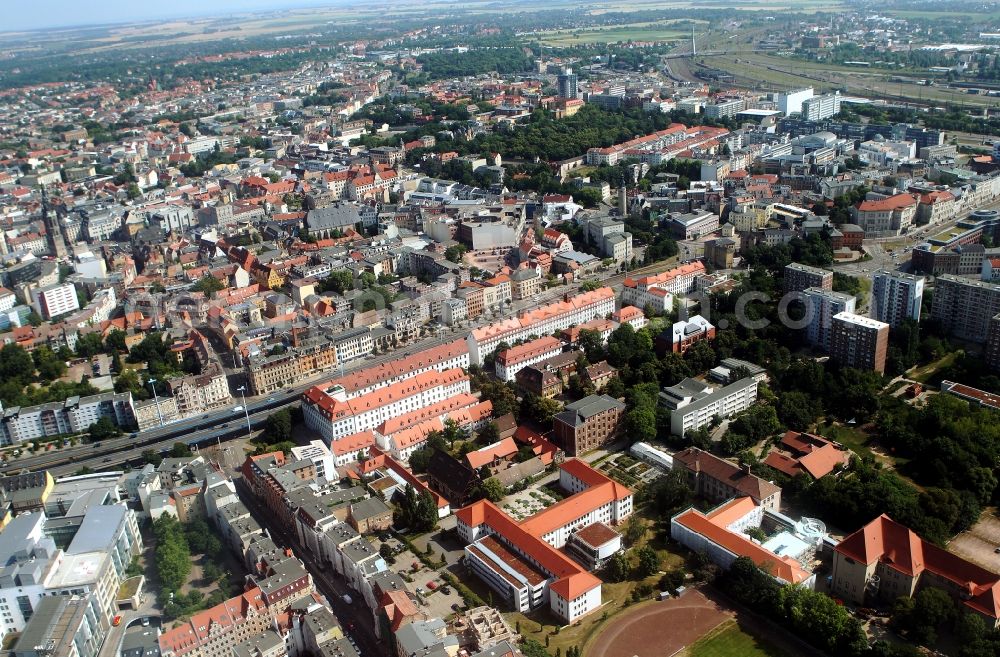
point(979, 544)
point(432, 592)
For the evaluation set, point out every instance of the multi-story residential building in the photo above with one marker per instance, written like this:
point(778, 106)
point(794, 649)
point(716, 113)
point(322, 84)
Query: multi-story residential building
point(717, 480)
point(693, 404)
point(319, 455)
point(896, 296)
point(721, 535)
point(964, 307)
point(568, 85)
point(214, 632)
point(798, 278)
point(513, 359)
point(971, 395)
point(588, 424)
point(56, 300)
point(790, 102)
point(885, 560)
point(886, 217)
point(525, 283)
point(75, 415)
point(329, 410)
point(821, 306)
point(306, 358)
point(543, 320)
point(936, 206)
point(993, 343)
point(200, 393)
point(524, 562)
point(858, 341)
point(353, 344)
point(657, 290)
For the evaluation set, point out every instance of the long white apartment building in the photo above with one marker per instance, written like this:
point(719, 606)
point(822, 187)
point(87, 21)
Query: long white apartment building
point(444, 357)
point(402, 435)
point(693, 404)
point(658, 290)
point(514, 359)
point(543, 320)
point(328, 410)
point(75, 415)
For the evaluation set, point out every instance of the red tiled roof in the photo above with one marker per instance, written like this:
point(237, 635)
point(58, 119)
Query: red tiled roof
point(895, 545)
point(714, 527)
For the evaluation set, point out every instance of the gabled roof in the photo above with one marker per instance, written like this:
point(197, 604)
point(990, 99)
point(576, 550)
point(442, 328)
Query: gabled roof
point(895, 545)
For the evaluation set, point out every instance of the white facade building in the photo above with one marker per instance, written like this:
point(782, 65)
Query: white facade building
point(896, 296)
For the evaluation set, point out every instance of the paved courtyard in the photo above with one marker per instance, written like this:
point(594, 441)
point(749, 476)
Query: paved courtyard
point(979, 543)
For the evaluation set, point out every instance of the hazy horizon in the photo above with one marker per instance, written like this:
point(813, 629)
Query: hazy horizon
point(47, 14)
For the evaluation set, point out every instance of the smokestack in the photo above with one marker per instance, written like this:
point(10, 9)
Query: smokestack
point(622, 198)
point(694, 48)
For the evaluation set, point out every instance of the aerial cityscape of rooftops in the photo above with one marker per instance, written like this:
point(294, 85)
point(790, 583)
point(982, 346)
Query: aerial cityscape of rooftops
point(520, 329)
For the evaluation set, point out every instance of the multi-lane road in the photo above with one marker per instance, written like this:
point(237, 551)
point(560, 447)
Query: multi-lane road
point(230, 423)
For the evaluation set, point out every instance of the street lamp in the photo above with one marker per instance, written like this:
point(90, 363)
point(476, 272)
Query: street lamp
point(156, 399)
point(242, 389)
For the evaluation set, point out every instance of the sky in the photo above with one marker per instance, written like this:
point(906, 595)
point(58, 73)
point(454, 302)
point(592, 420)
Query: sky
point(40, 14)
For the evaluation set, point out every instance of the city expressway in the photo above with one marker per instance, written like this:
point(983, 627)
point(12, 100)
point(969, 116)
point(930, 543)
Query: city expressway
point(231, 422)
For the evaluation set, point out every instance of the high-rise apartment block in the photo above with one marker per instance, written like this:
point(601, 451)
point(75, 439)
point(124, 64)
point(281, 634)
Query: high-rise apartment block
point(859, 342)
point(964, 307)
point(821, 307)
point(896, 296)
point(799, 277)
point(568, 84)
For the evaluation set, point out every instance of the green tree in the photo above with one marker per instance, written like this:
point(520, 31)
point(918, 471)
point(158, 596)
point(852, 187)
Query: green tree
point(617, 569)
point(338, 281)
point(278, 427)
point(493, 490)
point(115, 341)
point(489, 433)
point(16, 364)
point(180, 450)
point(649, 561)
point(640, 423)
point(455, 253)
point(209, 285)
point(173, 557)
point(89, 345)
point(103, 428)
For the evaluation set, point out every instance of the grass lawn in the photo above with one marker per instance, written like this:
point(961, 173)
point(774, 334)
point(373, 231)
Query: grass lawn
point(925, 373)
point(851, 437)
point(731, 641)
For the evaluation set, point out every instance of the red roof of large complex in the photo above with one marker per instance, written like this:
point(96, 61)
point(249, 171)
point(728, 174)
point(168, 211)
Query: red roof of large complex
point(571, 579)
point(895, 202)
point(714, 526)
point(895, 545)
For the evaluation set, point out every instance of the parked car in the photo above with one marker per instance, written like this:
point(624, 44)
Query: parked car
point(117, 620)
